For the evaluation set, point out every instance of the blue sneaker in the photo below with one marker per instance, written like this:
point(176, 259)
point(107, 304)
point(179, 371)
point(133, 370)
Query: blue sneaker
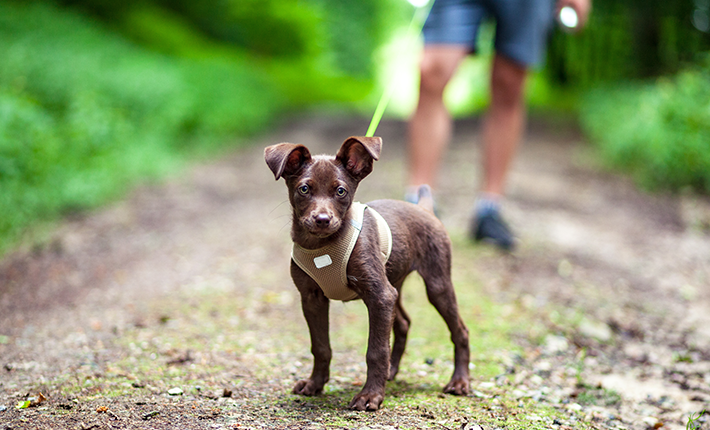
point(489, 227)
point(423, 197)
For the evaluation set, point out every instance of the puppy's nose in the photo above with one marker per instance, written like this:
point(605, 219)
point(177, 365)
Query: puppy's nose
point(323, 220)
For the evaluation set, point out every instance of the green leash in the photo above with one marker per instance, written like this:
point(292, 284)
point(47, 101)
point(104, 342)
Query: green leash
point(415, 27)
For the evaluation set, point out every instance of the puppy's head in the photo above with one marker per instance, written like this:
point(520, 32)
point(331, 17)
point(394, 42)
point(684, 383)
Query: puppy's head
point(321, 187)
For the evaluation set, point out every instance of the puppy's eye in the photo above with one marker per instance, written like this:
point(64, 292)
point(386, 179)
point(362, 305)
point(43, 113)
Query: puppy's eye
point(341, 192)
point(303, 189)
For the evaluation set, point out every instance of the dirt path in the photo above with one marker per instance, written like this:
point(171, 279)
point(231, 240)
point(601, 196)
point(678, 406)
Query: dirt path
point(619, 280)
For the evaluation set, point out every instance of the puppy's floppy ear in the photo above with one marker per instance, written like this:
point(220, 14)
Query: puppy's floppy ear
point(358, 153)
point(286, 159)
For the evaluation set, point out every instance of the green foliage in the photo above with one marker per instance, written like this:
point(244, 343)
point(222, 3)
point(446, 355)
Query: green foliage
point(84, 114)
point(338, 35)
point(628, 39)
point(93, 102)
point(659, 132)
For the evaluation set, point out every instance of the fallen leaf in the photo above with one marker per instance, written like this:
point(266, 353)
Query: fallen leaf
point(23, 404)
point(39, 399)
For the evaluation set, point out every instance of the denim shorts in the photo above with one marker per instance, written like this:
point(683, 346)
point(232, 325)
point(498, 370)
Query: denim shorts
point(522, 26)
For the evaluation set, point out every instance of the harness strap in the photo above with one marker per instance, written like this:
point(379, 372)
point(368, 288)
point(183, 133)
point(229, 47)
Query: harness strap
point(328, 265)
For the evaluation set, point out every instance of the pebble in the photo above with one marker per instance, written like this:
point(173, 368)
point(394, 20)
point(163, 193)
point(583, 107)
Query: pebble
point(596, 330)
point(480, 395)
point(175, 391)
point(636, 352)
point(543, 366)
point(555, 344)
point(519, 394)
point(652, 422)
point(3, 408)
point(574, 407)
point(536, 380)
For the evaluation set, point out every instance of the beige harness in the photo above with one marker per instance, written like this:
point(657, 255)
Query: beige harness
point(328, 265)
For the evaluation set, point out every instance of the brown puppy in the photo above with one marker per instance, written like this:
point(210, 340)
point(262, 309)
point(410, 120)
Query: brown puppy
point(321, 190)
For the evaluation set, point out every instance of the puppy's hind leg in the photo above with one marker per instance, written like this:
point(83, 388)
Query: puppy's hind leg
point(440, 291)
point(400, 329)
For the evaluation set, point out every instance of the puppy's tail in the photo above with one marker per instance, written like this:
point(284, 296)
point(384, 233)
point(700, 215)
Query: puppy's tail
point(425, 198)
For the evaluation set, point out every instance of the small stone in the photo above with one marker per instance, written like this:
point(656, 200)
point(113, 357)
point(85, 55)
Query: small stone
point(651, 422)
point(3, 408)
point(596, 330)
point(175, 391)
point(576, 407)
point(487, 385)
point(543, 366)
point(565, 269)
point(536, 380)
point(555, 344)
point(636, 352)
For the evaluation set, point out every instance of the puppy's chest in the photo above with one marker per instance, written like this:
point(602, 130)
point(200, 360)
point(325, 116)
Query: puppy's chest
point(328, 265)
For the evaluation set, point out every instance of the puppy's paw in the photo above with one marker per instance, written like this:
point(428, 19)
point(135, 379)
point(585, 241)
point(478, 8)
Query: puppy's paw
point(367, 400)
point(457, 387)
point(307, 387)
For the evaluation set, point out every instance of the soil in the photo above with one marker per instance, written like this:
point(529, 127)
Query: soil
point(191, 274)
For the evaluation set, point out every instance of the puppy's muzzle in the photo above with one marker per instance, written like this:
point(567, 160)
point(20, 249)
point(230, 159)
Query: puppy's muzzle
point(321, 224)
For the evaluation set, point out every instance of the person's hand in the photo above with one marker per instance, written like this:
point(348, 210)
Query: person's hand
point(582, 7)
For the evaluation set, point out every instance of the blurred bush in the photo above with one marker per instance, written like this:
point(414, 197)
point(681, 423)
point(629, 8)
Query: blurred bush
point(315, 49)
point(641, 70)
point(91, 106)
point(630, 39)
point(659, 132)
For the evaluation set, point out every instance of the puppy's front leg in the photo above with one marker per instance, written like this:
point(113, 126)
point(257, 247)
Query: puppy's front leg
point(380, 302)
point(315, 308)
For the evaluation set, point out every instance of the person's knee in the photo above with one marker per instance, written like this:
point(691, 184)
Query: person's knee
point(508, 83)
point(434, 77)
point(438, 65)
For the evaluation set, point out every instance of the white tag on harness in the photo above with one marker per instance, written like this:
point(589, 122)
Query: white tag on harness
point(322, 261)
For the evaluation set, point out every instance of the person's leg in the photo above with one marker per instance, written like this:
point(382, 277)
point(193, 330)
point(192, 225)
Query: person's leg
point(504, 123)
point(502, 130)
point(430, 127)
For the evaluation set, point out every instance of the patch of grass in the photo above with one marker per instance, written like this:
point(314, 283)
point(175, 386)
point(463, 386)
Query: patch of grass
point(598, 396)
